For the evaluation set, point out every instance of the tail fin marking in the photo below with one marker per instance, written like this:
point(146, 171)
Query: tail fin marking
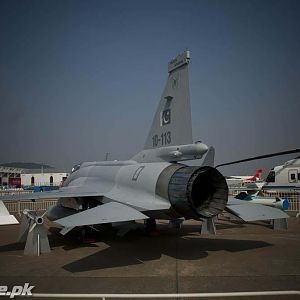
point(172, 121)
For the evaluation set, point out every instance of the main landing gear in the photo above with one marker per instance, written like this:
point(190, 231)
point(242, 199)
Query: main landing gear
point(150, 227)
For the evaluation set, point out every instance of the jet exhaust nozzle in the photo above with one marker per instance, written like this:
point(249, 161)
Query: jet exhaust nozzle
point(194, 192)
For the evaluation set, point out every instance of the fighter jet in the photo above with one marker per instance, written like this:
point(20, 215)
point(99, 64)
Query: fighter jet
point(155, 183)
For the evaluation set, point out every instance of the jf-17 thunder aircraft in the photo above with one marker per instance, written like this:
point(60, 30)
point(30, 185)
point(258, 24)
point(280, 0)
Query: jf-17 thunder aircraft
point(155, 183)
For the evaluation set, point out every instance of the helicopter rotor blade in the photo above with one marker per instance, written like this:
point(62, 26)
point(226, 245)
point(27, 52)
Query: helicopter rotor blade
point(260, 157)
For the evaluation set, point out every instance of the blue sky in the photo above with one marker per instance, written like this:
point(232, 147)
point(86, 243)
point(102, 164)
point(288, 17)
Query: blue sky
point(82, 78)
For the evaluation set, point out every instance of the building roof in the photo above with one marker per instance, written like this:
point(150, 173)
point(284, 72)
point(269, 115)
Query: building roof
point(11, 170)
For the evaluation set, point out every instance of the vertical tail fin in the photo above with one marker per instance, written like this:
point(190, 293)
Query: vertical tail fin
point(172, 122)
point(256, 177)
point(258, 174)
point(209, 160)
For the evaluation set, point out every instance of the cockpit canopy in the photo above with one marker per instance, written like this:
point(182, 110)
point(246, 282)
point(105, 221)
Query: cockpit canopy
point(271, 176)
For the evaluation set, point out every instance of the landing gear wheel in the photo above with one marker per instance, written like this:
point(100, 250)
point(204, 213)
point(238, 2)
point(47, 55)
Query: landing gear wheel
point(151, 227)
point(86, 235)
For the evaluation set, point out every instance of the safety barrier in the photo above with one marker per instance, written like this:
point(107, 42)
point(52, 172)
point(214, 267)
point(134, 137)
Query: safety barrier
point(17, 207)
point(293, 197)
point(160, 296)
point(14, 192)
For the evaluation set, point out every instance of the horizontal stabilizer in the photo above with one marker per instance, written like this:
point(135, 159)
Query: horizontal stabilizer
point(107, 213)
point(65, 230)
point(235, 201)
point(255, 212)
point(5, 217)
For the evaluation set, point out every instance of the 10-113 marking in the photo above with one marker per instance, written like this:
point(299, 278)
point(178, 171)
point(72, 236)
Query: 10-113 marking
point(163, 139)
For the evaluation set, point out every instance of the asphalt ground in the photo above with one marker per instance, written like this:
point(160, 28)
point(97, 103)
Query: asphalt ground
point(240, 257)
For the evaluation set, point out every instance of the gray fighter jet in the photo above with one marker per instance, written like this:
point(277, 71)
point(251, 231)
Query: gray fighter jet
point(155, 183)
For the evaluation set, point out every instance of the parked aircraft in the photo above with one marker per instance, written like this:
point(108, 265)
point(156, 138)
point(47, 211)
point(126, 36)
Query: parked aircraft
point(250, 191)
point(258, 198)
point(255, 177)
point(155, 183)
point(237, 181)
point(285, 177)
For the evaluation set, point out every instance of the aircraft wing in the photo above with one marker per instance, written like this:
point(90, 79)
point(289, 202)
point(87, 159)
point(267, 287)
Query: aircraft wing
point(107, 213)
point(135, 198)
point(253, 212)
point(119, 205)
point(61, 193)
point(5, 217)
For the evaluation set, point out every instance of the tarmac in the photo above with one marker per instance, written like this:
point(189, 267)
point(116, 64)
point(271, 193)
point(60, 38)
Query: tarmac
point(240, 257)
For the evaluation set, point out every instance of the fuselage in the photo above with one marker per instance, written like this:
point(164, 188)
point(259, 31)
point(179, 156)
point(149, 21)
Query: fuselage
point(160, 189)
point(284, 177)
